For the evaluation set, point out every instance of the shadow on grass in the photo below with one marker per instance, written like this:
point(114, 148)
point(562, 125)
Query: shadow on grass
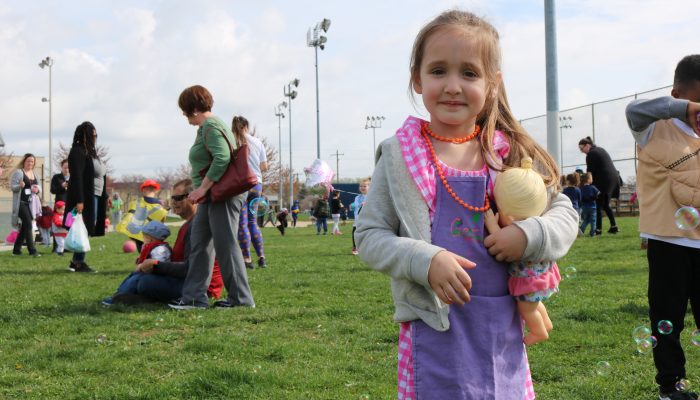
point(640, 310)
point(71, 309)
point(63, 271)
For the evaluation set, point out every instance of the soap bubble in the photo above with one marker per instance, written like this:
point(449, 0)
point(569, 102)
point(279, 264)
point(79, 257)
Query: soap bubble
point(641, 333)
point(602, 368)
point(258, 206)
point(645, 346)
point(570, 272)
point(101, 338)
point(695, 337)
point(682, 385)
point(687, 218)
point(665, 327)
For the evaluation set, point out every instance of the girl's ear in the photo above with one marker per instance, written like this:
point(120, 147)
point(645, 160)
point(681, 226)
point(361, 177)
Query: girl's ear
point(417, 86)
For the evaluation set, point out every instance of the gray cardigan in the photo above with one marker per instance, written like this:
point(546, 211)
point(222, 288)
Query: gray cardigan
point(393, 236)
point(15, 180)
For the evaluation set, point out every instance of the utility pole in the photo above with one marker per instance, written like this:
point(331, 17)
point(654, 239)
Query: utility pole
point(337, 165)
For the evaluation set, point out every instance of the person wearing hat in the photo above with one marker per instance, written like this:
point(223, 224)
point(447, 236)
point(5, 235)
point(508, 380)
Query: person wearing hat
point(147, 208)
point(163, 281)
point(154, 247)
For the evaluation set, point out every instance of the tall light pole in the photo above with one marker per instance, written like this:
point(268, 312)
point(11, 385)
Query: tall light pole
point(292, 94)
point(48, 62)
point(280, 114)
point(315, 39)
point(564, 123)
point(550, 42)
point(374, 123)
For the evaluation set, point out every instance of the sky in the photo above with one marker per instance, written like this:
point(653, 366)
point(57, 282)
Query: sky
point(122, 66)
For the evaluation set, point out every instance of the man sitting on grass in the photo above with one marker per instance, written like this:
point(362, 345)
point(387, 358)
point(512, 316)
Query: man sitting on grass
point(163, 281)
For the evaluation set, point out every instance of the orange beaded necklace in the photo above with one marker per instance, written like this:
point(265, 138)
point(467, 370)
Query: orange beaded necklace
point(425, 131)
point(465, 139)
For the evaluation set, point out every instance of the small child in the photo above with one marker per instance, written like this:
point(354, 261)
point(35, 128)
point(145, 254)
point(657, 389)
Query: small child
point(460, 335)
point(44, 222)
point(295, 213)
point(282, 219)
point(154, 247)
point(343, 215)
point(572, 191)
point(336, 204)
point(147, 208)
point(59, 231)
point(667, 131)
point(356, 206)
point(589, 194)
point(321, 212)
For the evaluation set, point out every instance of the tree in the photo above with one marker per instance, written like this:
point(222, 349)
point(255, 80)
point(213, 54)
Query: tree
point(5, 168)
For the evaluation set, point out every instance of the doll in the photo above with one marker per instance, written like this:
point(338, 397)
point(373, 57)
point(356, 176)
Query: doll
point(520, 193)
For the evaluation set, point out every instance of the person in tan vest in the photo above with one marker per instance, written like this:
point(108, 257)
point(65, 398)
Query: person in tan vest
point(667, 134)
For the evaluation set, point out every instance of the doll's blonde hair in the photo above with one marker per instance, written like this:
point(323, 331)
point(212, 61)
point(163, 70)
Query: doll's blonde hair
point(520, 192)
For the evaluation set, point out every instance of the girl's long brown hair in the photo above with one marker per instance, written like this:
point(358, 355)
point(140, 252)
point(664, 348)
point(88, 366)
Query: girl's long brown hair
point(238, 127)
point(496, 114)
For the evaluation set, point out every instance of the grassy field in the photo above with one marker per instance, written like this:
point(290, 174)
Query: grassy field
point(322, 329)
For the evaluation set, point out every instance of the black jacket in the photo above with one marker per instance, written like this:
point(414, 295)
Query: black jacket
point(57, 187)
point(82, 190)
point(600, 165)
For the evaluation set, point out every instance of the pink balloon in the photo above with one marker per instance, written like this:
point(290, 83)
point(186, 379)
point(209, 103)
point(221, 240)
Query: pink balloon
point(319, 173)
point(129, 246)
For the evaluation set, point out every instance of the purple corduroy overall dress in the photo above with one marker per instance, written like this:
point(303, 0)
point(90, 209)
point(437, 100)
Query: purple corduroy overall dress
point(482, 355)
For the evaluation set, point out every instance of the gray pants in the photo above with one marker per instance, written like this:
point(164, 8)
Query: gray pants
point(214, 231)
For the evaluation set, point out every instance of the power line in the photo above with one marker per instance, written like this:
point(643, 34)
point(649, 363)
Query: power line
point(337, 165)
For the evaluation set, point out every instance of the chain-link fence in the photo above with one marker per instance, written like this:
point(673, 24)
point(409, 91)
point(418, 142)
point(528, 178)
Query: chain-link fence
point(604, 122)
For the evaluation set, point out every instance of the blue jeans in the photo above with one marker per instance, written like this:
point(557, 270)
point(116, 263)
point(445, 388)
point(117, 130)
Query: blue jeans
point(588, 216)
point(157, 287)
point(321, 222)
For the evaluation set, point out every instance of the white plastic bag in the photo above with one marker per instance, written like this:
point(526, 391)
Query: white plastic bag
point(77, 239)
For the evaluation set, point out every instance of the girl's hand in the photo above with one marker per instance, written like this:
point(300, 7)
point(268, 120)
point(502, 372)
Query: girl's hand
point(448, 279)
point(508, 244)
point(693, 116)
point(79, 208)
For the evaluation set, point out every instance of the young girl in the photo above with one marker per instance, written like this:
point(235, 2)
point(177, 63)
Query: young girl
point(422, 223)
point(336, 204)
point(59, 230)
